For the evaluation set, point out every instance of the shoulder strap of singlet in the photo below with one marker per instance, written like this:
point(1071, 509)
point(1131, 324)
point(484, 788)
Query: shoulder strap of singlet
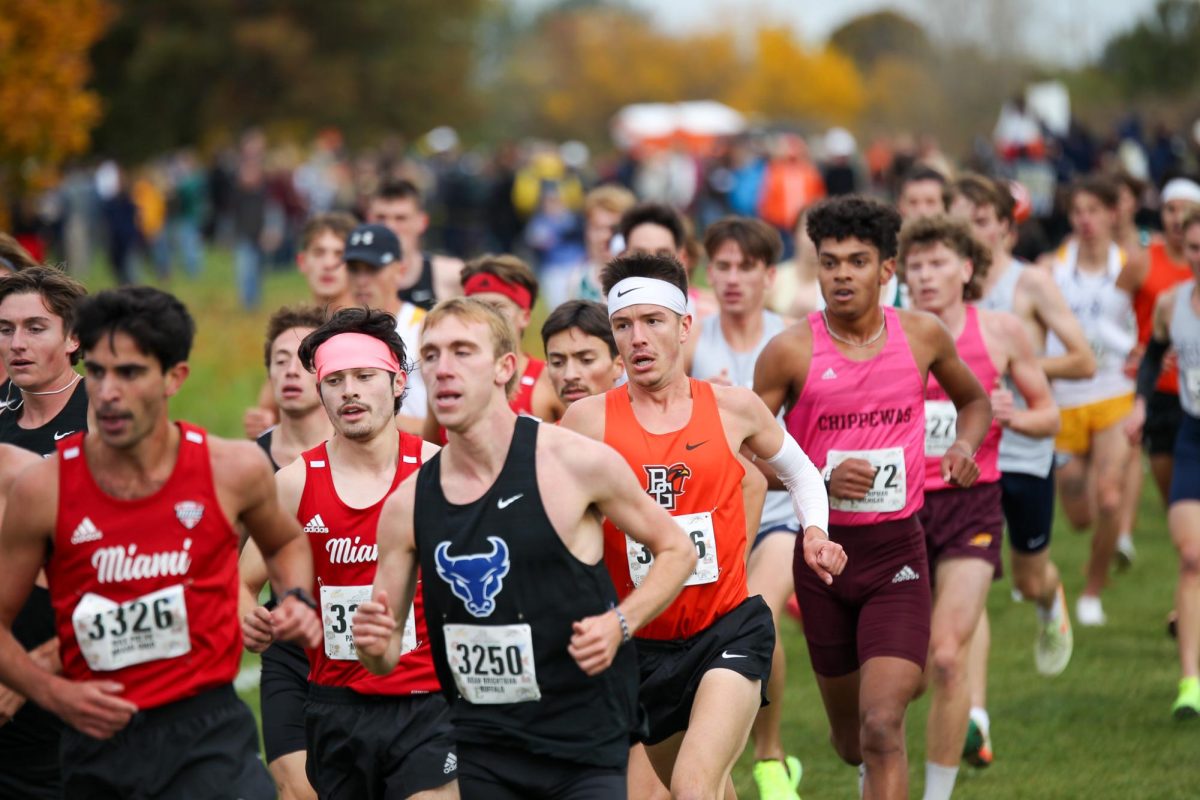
point(533, 368)
point(816, 321)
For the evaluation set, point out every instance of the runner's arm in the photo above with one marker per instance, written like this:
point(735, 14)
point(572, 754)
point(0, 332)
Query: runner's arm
point(1055, 315)
point(378, 625)
point(781, 366)
point(1150, 366)
point(1041, 418)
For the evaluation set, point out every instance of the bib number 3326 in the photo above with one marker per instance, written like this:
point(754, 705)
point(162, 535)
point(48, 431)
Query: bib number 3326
point(114, 635)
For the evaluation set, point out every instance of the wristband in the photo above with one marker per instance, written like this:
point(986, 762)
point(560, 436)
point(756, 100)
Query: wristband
point(625, 634)
point(301, 595)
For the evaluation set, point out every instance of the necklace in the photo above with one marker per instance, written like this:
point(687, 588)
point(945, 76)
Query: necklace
point(843, 340)
point(8, 404)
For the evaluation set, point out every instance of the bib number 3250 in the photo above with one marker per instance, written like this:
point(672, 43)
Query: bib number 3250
point(492, 664)
point(699, 528)
point(114, 635)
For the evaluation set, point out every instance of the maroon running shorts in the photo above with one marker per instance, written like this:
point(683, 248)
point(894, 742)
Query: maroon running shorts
point(879, 606)
point(964, 523)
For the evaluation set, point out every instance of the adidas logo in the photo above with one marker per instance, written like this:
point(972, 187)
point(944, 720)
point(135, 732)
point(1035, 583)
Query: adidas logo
point(86, 531)
point(906, 573)
point(316, 525)
point(828, 374)
point(451, 764)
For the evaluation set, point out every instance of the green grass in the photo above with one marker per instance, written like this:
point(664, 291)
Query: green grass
point(1101, 730)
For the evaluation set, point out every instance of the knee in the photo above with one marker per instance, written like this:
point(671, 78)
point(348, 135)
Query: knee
point(948, 661)
point(689, 788)
point(1189, 560)
point(1108, 496)
point(1029, 583)
point(882, 731)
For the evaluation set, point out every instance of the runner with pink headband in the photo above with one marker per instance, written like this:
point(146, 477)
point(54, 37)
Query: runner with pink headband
point(353, 351)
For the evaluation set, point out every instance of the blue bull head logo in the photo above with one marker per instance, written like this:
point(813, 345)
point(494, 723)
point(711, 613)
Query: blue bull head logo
point(475, 579)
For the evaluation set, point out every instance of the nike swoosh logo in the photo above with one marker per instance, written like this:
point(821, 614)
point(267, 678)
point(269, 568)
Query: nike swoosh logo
point(58, 435)
point(505, 502)
point(627, 291)
point(694, 446)
point(728, 654)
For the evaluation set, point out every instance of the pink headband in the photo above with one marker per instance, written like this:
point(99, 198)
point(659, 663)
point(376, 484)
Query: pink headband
point(353, 351)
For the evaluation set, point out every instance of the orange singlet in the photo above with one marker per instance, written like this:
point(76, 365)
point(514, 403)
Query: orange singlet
point(1162, 275)
point(694, 476)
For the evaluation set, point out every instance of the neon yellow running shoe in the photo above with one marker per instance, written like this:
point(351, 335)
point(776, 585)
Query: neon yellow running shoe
point(1052, 651)
point(777, 780)
point(1187, 705)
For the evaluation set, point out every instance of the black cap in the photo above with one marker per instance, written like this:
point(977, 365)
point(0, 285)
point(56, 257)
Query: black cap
point(372, 244)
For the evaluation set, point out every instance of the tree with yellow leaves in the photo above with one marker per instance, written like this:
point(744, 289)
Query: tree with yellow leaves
point(46, 107)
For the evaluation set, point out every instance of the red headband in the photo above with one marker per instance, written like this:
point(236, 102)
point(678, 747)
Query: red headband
point(482, 282)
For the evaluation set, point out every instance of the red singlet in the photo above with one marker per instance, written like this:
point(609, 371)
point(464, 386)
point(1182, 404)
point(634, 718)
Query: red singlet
point(345, 555)
point(145, 590)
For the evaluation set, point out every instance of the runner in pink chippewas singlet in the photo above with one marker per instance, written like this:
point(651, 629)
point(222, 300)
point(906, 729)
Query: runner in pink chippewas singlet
point(944, 267)
point(853, 381)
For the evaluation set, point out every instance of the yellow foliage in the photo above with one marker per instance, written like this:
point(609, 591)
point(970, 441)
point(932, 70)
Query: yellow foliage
point(44, 67)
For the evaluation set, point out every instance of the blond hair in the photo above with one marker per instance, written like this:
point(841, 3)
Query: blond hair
point(610, 197)
point(469, 310)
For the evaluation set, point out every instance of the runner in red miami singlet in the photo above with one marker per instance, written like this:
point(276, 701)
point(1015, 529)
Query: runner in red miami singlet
point(853, 378)
point(138, 517)
point(368, 735)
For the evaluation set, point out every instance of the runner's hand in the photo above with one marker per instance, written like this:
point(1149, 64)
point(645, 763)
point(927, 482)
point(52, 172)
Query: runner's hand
point(823, 556)
point(256, 420)
point(1136, 421)
point(257, 634)
point(373, 626)
point(595, 642)
point(293, 621)
point(94, 708)
point(959, 467)
point(1002, 405)
point(10, 704)
point(852, 479)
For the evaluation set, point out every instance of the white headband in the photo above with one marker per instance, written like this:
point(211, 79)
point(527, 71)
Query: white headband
point(1181, 189)
point(636, 291)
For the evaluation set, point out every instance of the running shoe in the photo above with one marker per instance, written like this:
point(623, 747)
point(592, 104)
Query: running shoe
point(777, 780)
point(1055, 642)
point(1187, 705)
point(1126, 552)
point(977, 749)
point(1089, 612)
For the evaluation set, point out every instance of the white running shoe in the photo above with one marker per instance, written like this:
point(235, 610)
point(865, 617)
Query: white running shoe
point(1089, 612)
point(1126, 552)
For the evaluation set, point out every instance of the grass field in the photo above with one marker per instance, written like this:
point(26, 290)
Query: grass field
point(1101, 730)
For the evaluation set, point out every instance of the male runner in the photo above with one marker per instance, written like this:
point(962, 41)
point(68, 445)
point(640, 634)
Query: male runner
point(321, 260)
point(944, 268)
point(45, 402)
point(420, 277)
point(1176, 324)
point(1026, 464)
point(602, 210)
point(741, 268)
point(367, 736)
point(581, 354)
point(135, 525)
point(705, 661)
point(526, 632)
point(922, 193)
point(1145, 279)
point(853, 379)
point(303, 424)
point(658, 229)
point(371, 252)
point(1092, 482)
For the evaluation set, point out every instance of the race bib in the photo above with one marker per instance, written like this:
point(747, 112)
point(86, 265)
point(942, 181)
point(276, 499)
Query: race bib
point(338, 604)
point(941, 418)
point(492, 664)
point(114, 635)
point(1191, 384)
point(889, 492)
point(699, 528)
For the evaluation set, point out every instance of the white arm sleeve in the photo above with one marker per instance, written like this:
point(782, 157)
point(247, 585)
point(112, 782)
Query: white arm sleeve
point(804, 484)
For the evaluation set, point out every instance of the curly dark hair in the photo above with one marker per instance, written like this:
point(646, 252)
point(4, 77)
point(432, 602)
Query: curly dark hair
point(287, 318)
point(955, 234)
point(643, 265)
point(157, 321)
point(372, 322)
point(855, 216)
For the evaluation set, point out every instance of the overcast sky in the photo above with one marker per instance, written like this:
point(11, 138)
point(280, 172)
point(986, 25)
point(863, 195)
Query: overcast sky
point(1063, 31)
